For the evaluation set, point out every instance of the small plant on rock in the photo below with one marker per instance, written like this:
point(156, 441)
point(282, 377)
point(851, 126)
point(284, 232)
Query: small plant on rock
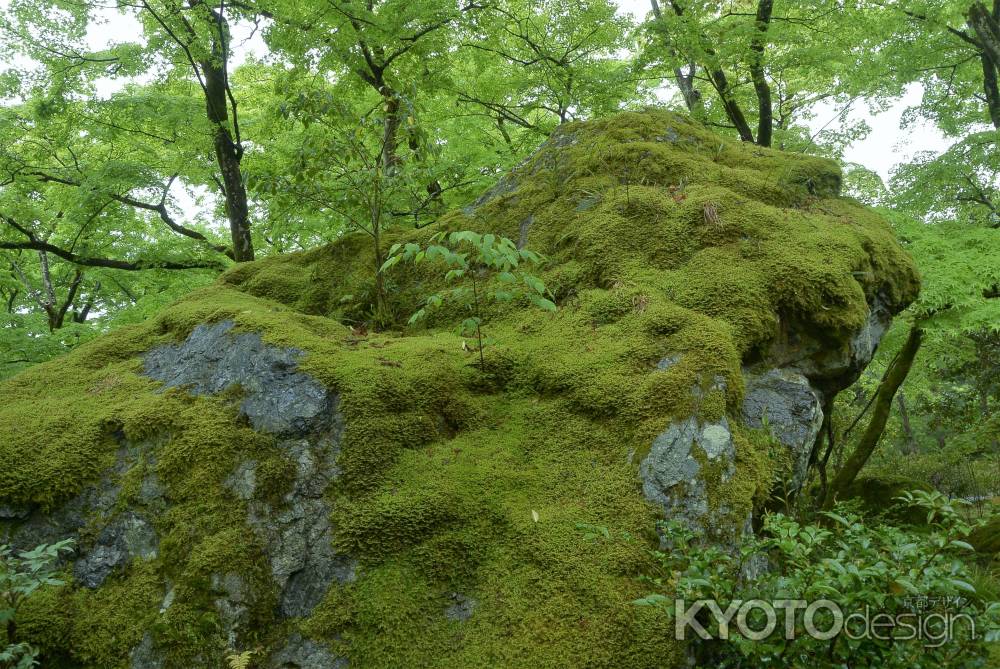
point(490, 257)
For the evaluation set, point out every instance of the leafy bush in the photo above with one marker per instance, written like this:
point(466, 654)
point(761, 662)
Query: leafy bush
point(21, 574)
point(916, 578)
point(491, 257)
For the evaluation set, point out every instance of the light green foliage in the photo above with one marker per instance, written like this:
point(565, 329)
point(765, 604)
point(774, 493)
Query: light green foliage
point(108, 155)
point(492, 256)
point(716, 48)
point(846, 559)
point(240, 660)
point(21, 574)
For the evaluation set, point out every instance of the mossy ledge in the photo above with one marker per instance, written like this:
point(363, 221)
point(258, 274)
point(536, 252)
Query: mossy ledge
point(665, 244)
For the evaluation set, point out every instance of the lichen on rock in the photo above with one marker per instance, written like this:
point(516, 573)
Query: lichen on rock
point(340, 498)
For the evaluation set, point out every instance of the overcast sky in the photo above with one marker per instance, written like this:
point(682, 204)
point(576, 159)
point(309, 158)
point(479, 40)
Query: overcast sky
point(886, 146)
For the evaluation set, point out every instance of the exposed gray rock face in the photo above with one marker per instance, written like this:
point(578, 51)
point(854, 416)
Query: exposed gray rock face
point(233, 605)
point(92, 507)
point(829, 368)
point(791, 409)
point(461, 607)
point(126, 537)
point(145, 655)
point(276, 398)
point(672, 471)
point(298, 535)
point(523, 228)
point(66, 521)
point(300, 653)
point(14, 511)
point(785, 392)
point(866, 341)
point(669, 361)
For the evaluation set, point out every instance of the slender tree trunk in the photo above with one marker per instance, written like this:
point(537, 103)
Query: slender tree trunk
point(692, 96)
point(390, 132)
point(986, 28)
point(720, 82)
point(894, 378)
point(765, 114)
point(228, 152)
point(11, 299)
point(733, 110)
point(684, 81)
point(904, 417)
point(991, 89)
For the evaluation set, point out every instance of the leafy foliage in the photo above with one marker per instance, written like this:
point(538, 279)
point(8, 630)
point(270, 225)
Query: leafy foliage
point(491, 257)
point(21, 574)
point(863, 567)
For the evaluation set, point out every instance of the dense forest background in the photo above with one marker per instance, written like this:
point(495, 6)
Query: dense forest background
point(133, 173)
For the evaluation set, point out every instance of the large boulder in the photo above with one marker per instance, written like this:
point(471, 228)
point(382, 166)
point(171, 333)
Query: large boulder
point(247, 471)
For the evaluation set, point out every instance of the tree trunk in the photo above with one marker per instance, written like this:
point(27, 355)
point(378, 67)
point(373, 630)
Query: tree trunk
point(733, 111)
point(692, 96)
point(228, 153)
point(904, 417)
point(991, 89)
point(720, 82)
point(894, 378)
point(986, 29)
point(390, 133)
point(765, 115)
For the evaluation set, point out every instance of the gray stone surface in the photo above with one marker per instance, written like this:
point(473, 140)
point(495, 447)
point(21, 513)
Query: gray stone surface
point(671, 472)
point(865, 342)
point(146, 655)
point(791, 409)
point(243, 480)
point(233, 604)
point(523, 229)
point(829, 368)
point(298, 535)
point(40, 527)
point(301, 653)
point(276, 398)
point(126, 537)
point(669, 361)
point(461, 607)
point(14, 511)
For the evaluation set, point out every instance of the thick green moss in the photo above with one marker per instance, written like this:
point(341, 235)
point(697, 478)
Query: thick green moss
point(662, 239)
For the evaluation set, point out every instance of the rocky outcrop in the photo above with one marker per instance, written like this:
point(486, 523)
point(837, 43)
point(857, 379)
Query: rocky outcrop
point(275, 398)
point(296, 531)
point(782, 402)
point(251, 469)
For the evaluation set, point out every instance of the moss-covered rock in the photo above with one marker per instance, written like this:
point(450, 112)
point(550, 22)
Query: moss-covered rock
point(986, 539)
point(436, 504)
point(878, 495)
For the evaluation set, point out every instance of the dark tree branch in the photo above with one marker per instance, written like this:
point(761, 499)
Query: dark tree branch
point(33, 243)
point(159, 208)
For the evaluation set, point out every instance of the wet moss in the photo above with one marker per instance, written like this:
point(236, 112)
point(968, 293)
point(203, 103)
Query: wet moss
point(662, 240)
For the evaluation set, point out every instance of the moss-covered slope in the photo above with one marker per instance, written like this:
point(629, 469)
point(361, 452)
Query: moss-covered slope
point(662, 239)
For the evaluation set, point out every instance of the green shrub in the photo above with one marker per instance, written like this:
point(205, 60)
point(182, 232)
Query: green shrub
point(917, 579)
point(21, 574)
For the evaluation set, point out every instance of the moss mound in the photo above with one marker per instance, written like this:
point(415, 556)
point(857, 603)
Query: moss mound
point(662, 239)
point(986, 539)
point(878, 496)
